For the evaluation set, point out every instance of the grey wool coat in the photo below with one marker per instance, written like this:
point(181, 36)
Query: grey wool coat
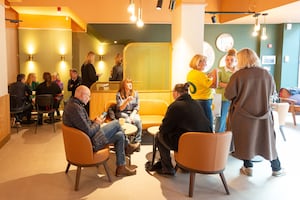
point(250, 114)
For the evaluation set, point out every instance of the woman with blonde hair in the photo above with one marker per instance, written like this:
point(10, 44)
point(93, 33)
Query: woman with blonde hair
point(250, 116)
point(31, 81)
point(201, 84)
point(128, 104)
point(224, 74)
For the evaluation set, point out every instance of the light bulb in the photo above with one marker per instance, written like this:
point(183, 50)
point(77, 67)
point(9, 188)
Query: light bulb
point(132, 17)
point(264, 33)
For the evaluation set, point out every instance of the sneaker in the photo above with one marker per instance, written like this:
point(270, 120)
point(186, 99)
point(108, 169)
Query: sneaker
point(166, 172)
point(278, 173)
point(155, 167)
point(248, 171)
point(124, 171)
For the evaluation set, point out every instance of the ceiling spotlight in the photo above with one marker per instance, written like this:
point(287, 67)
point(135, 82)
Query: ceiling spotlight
point(172, 4)
point(213, 19)
point(159, 4)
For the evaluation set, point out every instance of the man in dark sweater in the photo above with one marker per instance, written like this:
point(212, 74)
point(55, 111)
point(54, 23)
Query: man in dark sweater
point(76, 116)
point(22, 92)
point(183, 115)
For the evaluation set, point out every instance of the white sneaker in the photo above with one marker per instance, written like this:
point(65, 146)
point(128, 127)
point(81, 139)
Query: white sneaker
point(248, 171)
point(278, 173)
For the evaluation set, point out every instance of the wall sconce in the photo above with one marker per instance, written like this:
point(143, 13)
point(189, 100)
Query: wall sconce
point(62, 57)
point(100, 57)
point(30, 57)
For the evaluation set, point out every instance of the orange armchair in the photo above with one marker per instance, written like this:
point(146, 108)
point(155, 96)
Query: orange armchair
point(79, 152)
point(204, 153)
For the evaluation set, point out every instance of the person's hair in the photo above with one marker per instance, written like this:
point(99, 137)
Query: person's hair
point(29, 78)
point(231, 52)
point(73, 70)
point(56, 74)
point(247, 58)
point(122, 88)
point(47, 78)
point(196, 59)
point(182, 88)
point(20, 77)
point(118, 59)
point(88, 59)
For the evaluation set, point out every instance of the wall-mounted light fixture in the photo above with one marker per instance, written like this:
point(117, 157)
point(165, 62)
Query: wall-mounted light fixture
point(30, 57)
point(100, 57)
point(62, 57)
point(159, 4)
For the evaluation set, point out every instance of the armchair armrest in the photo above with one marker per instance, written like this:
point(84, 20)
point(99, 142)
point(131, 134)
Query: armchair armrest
point(290, 101)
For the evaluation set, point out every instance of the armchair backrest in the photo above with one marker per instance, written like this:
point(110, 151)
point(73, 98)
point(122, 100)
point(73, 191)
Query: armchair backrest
point(16, 104)
point(78, 146)
point(206, 152)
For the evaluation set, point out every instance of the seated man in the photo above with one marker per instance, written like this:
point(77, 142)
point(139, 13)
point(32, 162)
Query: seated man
point(76, 116)
point(183, 115)
point(22, 93)
point(290, 94)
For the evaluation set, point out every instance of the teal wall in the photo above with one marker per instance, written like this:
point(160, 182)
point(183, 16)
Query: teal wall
point(291, 48)
point(284, 42)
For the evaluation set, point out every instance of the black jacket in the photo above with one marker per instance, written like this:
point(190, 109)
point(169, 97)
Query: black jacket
point(183, 115)
point(88, 75)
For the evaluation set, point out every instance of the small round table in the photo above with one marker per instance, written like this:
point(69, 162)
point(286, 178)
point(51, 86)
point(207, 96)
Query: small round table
point(153, 130)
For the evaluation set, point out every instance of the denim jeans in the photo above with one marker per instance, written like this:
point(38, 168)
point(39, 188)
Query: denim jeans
point(138, 123)
point(206, 105)
point(114, 134)
point(221, 121)
point(275, 164)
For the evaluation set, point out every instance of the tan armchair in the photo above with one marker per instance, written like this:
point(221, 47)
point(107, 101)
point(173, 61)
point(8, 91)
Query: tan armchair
point(204, 153)
point(79, 152)
point(293, 108)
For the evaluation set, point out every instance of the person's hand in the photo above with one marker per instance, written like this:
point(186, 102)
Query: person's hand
point(130, 98)
point(99, 120)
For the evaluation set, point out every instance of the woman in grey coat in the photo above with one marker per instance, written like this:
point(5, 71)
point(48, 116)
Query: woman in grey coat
point(250, 115)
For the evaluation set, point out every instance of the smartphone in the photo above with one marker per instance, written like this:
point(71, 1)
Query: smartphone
point(103, 115)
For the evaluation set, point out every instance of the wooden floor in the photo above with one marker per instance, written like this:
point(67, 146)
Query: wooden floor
point(32, 167)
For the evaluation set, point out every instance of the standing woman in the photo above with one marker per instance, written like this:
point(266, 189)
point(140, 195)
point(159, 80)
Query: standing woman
point(201, 85)
point(250, 115)
point(128, 104)
point(224, 74)
point(88, 73)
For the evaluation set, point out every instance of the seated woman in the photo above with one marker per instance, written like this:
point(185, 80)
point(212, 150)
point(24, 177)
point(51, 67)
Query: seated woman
point(49, 87)
point(128, 104)
point(293, 94)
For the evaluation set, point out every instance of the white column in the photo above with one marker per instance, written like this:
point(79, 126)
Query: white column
point(3, 57)
point(187, 37)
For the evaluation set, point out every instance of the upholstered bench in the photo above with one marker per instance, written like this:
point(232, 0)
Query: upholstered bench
point(152, 111)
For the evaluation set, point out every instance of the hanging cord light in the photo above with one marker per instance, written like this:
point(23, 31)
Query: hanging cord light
point(264, 29)
point(131, 7)
point(256, 25)
point(159, 4)
point(140, 22)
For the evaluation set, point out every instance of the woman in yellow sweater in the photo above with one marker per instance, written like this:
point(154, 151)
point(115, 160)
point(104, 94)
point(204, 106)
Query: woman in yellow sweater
point(201, 84)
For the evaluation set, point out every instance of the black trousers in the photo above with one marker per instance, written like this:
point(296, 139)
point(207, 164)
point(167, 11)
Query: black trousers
point(164, 152)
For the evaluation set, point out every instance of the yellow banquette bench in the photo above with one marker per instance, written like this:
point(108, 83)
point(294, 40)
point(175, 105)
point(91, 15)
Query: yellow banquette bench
point(152, 111)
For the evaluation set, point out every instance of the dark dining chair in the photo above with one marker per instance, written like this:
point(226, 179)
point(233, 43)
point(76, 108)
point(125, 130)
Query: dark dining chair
point(44, 104)
point(16, 108)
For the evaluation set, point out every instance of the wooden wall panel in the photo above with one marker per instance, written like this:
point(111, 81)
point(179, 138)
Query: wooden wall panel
point(4, 119)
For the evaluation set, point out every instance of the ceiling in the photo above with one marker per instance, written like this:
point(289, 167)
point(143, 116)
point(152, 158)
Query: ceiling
point(115, 11)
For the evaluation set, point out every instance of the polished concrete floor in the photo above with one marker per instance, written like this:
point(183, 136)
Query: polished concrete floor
point(32, 167)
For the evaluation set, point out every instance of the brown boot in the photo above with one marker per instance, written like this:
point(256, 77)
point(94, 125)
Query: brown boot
point(131, 148)
point(124, 171)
